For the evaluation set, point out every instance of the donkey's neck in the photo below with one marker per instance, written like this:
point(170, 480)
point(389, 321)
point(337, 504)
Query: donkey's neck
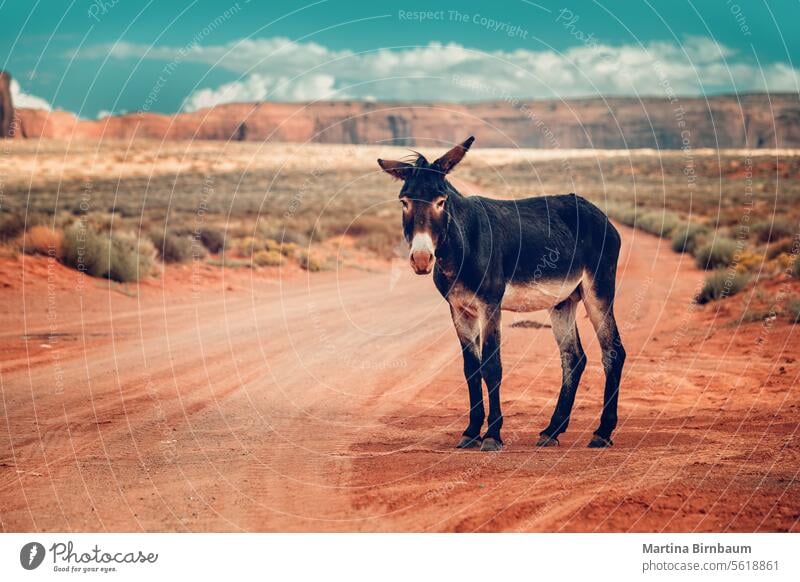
point(454, 246)
point(452, 191)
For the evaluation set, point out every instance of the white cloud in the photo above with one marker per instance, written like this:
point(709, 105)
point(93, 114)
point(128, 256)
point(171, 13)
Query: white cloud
point(25, 100)
point(103, 113)
point(257, 87)
point(280, 70)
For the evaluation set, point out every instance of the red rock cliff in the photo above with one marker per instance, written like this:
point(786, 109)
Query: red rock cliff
point(725, 121)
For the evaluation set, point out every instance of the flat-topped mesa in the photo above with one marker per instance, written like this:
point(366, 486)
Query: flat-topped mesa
point(744, 121)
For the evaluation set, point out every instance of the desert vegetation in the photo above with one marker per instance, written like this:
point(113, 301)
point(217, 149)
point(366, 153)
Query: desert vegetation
point(734, 255)
point(307, 207)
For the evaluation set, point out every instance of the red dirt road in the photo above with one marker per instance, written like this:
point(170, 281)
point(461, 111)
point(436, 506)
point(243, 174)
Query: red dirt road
point(333, 401)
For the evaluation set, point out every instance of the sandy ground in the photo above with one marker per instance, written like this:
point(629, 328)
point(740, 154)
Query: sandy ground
point(228, 400)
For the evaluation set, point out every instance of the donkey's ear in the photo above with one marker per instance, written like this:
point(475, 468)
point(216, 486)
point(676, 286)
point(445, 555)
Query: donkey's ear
point(448, 161)
point(395, 169)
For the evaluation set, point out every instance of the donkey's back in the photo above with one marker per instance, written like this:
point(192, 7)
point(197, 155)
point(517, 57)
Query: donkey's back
point(561, 238)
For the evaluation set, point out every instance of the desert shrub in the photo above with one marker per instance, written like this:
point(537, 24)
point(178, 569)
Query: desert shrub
point(86, 250)
point(228, 262)
point(658, 223)
point(125, 211)
point(249, 245)
point(41, 240)
point(621, 212)
point(171, 247)
point(778, 248)
point(784, 262)
point(721, 283)
point(290, 234)
point(197, 249)
point(687, 237)
point(376, 234)
point(294, 236)
point(331, 226)
point(749, 260)
point(131, 258)
point(287, 249)
point(380, 243)
point(365, 225)
point(310, 262)
point(268, 258)
point(716, 253)
point(11, 226)
point(80, 208)
point(213, 239)
point(103, 221)
point(119, 257)
point(772, 230)
point(793, 310)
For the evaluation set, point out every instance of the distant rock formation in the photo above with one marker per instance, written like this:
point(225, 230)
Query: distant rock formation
point(6, 105)
point(752, 120)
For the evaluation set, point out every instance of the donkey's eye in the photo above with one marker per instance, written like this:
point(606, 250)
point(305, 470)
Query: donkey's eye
point(438, 204)
point(405, 203)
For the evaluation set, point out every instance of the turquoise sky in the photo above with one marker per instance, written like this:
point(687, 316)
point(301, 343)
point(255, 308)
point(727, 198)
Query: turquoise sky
point(110, 56)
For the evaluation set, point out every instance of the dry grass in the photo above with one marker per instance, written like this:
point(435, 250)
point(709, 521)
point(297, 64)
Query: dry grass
point(688, 237)
point(720, 284)
point(120, 257)
point(173, 248)
point(12, 224)
point(41, 240)
point(659, 223)
point(312, 263)
point(213, 239)
point(793, 310)
point(772, 230)
point(717, 253)
point(268, 258)
point(623, 212)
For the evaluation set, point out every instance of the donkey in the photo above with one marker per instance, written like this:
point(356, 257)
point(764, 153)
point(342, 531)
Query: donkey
point(548, 252)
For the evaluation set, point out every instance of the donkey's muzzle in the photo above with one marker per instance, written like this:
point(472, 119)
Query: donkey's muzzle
point(422, 262)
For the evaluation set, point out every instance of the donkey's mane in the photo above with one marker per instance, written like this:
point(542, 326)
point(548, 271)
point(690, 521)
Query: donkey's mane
point(417, 159)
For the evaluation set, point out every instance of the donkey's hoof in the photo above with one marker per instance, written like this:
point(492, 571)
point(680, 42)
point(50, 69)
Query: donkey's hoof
point(490, 444)
point(468, 442)
point(599, 442)
point(547, 441)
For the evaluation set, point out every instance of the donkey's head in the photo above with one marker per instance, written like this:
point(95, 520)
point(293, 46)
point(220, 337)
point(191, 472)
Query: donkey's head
point(424, 199)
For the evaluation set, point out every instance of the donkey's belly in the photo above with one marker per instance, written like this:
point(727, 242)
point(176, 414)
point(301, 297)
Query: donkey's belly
point(539, 295)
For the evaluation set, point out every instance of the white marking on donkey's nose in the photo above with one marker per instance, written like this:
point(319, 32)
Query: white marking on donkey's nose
point(422, 241)
point(421, 254)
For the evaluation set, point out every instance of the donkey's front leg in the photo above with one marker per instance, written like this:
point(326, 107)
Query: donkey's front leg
point(467, 326)
point(492, 371)
point(472, 372)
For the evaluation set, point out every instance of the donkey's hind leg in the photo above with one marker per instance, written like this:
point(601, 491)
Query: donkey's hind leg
point(573, 362)
point(492, 371)
point(599, 301)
